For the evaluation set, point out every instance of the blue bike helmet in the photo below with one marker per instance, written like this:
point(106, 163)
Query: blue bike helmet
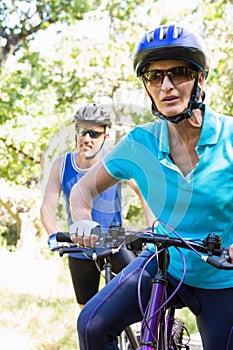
point(172, 42)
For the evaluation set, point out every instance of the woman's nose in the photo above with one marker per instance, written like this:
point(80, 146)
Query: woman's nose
point(167, 84)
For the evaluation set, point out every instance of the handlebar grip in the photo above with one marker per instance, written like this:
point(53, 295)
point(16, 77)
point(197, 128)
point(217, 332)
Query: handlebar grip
point(63, 237)
point(222, 262)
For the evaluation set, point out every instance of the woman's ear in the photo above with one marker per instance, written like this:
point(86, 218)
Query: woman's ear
point(201, 83)
point(201, 78)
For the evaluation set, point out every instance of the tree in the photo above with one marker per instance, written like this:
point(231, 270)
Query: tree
point(218, 32)
point(21, 20)
point(38, 93)
point(28, 97)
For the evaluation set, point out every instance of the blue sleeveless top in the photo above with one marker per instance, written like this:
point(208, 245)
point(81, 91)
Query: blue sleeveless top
point(106, 207)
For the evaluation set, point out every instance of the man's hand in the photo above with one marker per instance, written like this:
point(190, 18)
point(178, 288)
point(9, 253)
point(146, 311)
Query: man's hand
point(85, 232)
point(53, 243)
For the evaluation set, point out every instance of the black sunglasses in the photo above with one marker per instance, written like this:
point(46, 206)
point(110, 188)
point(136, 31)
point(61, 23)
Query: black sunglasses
point(94, 134)
point(176, 75)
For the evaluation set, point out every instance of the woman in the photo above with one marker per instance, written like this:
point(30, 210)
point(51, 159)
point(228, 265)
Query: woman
point(183, 166)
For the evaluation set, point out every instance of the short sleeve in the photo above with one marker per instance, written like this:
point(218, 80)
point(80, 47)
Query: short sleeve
point(118, 162)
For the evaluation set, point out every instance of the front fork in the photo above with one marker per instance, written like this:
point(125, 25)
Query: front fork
point(152, 338)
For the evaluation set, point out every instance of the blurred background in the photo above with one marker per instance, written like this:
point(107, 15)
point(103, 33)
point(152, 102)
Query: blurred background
point(56, 56)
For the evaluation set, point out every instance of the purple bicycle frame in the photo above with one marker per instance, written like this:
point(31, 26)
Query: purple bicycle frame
point(153, 325)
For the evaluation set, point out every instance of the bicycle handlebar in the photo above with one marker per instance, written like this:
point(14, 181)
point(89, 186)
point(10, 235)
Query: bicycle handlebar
point(63, 237)
point(221, 261)
point(93, 253)
point(110, 243)
point(211, 245)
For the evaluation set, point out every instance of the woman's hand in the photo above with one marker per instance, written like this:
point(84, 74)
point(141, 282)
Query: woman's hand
point(231, 253)
point(85, 233)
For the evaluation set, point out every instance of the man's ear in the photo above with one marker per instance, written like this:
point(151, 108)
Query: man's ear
point(106, 136)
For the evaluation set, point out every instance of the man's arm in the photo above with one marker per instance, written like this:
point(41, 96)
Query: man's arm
point(149, 216)
point(51, 198)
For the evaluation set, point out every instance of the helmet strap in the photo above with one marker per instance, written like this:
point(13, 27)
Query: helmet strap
point(99, 149)
point(187, 113)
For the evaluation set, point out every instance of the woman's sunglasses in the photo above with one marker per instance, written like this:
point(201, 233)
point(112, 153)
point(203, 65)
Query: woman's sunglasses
point(94, 134)
point(176, 75)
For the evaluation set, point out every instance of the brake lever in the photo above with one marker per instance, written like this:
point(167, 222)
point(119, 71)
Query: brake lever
point(222, 262)
point(68, 249)
point(75, 249)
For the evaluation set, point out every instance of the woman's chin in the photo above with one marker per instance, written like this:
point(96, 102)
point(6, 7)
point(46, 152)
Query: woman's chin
point(170, 112)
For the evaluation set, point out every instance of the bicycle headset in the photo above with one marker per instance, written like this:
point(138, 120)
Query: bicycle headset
point(92, 113)
point(172, 42)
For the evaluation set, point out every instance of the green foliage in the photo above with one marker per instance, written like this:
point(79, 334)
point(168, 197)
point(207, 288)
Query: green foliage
point(218, 33)
point(20, 20)
point(145, 117)
point(8, 236)
point(135, 216)
point(188, 318)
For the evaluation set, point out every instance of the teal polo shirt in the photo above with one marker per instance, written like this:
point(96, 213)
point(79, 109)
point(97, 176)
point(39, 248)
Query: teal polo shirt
point(193, 205)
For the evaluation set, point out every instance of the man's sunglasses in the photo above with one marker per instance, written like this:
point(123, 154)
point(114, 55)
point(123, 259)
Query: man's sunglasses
point(176, 75)
point(94, 134)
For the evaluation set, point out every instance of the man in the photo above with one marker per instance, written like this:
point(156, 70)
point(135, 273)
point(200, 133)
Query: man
point(92, 124)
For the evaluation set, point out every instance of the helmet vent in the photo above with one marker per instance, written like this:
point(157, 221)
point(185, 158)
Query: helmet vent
point(177, 32)
point(163, 33)
point(170, 42)
point(150, 36)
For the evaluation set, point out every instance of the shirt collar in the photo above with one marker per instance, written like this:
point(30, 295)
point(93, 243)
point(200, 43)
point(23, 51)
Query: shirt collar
point(164, 139)
point(210, 129)
point(209, 133)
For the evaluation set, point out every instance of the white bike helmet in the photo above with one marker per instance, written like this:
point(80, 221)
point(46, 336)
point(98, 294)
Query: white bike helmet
point(94, 114)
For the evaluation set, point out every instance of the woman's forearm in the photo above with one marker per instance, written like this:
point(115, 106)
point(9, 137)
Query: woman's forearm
point(81, 203)
point(90, 186)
